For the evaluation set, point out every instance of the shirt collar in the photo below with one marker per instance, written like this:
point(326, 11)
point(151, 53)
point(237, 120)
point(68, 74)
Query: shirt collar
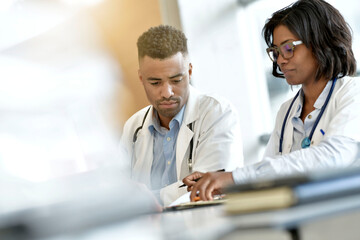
point(319, 101)
point(155, 122)
point(322, 98)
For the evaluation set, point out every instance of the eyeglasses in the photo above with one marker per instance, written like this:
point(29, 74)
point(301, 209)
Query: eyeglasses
point(286, 50)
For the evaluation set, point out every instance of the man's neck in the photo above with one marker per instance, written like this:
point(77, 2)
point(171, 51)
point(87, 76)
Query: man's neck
point(164, 121)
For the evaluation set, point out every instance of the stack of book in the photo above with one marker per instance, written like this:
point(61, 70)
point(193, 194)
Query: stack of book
point(289, 191)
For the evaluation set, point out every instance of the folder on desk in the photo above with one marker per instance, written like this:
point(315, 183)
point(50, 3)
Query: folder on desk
point(288, 191)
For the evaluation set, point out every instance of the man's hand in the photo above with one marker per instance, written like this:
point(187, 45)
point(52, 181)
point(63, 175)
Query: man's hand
point(209, 185)
point(191, 180)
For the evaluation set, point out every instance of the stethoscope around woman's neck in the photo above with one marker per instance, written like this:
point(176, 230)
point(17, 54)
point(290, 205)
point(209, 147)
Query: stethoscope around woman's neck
point(191, 127)
point(307, 140)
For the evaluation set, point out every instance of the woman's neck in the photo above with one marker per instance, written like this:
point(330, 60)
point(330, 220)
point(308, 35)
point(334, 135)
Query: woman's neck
point(312, 92)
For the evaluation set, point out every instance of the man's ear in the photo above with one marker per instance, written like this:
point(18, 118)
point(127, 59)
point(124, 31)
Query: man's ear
point(190, 70)
point(140, 76)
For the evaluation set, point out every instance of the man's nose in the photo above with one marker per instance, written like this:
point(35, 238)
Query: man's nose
point(167, 90)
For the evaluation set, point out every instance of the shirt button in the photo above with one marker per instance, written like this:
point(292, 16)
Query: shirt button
point(168, 139)
point(168, 162)
point(309, 116)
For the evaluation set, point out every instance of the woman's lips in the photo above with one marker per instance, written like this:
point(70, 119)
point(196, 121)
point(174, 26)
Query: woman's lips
point(287, 71)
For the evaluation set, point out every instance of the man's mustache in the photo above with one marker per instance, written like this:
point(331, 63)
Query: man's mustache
point(171, 99)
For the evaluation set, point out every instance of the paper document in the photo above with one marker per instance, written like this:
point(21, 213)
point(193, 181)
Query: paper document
point(183, 202)
point(183, 199)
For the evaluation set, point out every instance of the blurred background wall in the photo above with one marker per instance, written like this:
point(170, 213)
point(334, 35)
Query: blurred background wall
point(121, 22)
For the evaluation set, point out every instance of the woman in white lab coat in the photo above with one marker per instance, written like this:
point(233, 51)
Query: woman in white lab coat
point(309, 43)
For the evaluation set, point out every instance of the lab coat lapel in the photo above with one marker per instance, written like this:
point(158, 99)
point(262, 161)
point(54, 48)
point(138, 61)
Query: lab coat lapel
point(289, 128)
point(185, 134)
point(144, 153)
point(326, 117)
point(182, 144)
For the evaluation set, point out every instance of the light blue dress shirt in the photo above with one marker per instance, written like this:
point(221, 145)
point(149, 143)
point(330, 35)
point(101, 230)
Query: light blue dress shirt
point(163, 169)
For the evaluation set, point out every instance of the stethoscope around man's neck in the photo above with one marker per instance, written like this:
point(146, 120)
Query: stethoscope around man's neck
point(191, 126)
point(307, 140)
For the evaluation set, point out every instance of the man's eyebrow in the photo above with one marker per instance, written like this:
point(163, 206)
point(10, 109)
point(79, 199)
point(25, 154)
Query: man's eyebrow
point(159, 79)
point(153, 79)
point(177, 75)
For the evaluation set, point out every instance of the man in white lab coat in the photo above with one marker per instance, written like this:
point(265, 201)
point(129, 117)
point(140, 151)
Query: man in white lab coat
point(182, 130)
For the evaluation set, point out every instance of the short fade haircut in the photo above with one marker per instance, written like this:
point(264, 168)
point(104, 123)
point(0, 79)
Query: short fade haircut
point(321, 28)
point(162, 42)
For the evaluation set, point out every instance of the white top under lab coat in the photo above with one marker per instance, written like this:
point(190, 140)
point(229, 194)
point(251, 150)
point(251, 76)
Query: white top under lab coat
point(216, 137)
point(340, 120)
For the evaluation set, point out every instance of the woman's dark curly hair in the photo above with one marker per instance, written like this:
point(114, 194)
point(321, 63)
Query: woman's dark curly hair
point(321, 28)
point(162, 42)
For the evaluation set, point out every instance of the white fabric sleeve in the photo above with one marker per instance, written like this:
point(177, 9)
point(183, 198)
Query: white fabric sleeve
point(334, 151)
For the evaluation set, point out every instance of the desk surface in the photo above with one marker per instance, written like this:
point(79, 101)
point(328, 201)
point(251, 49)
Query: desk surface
point(213, 223)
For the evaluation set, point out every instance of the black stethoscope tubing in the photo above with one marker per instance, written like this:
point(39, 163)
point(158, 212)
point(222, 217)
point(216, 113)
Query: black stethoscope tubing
point(191, 126)
point(316, 121)
point(142, 124)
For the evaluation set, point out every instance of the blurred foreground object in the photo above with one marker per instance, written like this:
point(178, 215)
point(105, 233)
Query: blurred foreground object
point(69, 205)
point(60, 168)
point(57, 93)
point(284, 192)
